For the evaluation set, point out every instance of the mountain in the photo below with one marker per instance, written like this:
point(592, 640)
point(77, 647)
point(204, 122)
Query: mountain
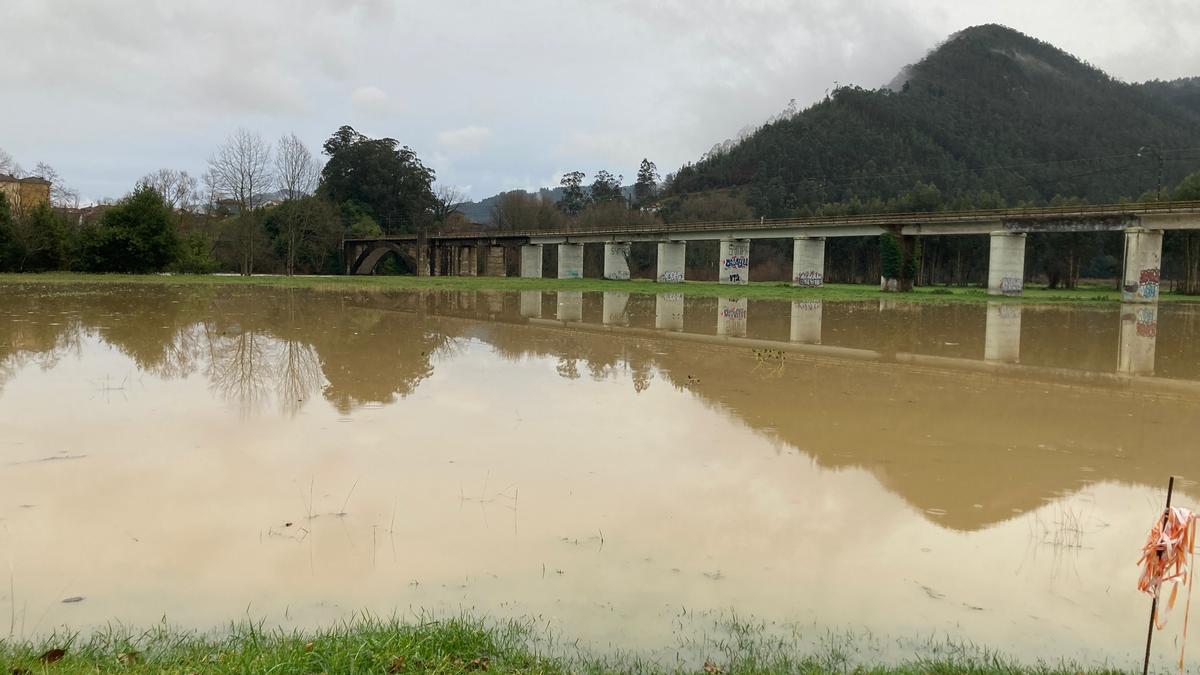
point(990, 115)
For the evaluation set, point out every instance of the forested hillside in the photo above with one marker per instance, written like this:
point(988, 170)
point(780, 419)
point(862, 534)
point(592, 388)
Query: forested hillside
point(989, 115)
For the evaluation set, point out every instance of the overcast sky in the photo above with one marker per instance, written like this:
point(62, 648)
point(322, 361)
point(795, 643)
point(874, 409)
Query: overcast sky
point(493, 95)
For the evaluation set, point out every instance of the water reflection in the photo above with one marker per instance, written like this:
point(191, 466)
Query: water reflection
point(668, 311)
point(1139, 334)
point(762, 431)
point(806, 321)
point(1002, 342)
point(731, 316)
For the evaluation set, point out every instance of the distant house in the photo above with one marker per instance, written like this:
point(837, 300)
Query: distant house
point(24, 194)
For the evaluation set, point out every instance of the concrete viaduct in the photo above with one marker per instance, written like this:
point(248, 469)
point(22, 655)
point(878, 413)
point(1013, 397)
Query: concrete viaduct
point(458, 253)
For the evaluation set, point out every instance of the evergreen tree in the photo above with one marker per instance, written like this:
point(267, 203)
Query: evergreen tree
point(646, 186)
point(606, 188)
point(136, 235)
point(573, 201)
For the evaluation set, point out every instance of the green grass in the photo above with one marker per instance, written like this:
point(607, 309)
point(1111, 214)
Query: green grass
point(758, 290)
point(466, 644)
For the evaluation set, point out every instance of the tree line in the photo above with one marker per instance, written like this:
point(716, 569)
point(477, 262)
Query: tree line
point(258, 207)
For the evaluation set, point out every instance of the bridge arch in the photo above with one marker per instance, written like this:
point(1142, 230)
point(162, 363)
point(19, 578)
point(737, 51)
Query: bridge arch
point(367, 256)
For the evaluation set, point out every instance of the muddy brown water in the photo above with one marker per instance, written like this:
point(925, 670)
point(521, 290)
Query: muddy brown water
point(607, 462)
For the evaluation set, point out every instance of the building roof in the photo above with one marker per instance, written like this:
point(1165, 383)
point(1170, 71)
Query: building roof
point(5, 178)
point(35, 179)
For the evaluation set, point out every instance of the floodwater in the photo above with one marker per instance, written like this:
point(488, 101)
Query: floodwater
point(607, 462)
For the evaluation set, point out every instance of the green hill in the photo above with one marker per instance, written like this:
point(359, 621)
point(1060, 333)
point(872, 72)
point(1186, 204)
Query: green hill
point(991, 115)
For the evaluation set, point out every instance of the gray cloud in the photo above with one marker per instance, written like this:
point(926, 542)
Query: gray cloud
point(493, 95)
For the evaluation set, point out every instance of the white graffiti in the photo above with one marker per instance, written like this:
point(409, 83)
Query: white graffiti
point(671, 277)
point(809, 279)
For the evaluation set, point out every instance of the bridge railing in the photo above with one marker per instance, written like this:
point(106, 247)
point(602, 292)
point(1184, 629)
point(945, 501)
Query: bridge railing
point(881, 219)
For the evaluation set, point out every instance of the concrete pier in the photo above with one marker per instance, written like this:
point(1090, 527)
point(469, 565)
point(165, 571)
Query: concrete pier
point(734, 265)
point(570, 305)
point(437, 260)
point(531, 304)
point(496, 264)
point(808, 262)
point(616, 309)
point(1143, 265)
point(1139, 336)
point(1002, 334)
point(531, 261)
point(468, 263)
point(1006, 264)
point(423, 256)
point(570, 261)
point(672, 259)
point(806, 321)
point(668, 311)
point(731, 316)
point(616, 260)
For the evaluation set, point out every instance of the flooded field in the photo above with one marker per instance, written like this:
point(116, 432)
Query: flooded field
point(618, 465)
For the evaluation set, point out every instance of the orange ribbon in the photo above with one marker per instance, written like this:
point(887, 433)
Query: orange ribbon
point(1166, 558)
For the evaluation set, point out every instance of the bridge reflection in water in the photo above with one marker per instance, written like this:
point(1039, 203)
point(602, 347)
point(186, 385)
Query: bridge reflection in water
point(1002, 333)
point(730, 449)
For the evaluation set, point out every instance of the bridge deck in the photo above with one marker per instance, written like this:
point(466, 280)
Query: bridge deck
point(1101, 217)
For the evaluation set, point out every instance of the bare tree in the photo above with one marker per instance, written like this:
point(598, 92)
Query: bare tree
point(179, 189)
point(9, 165)
point(295, 167)
point(60, 195)
point(240, 170)
point(447, 200)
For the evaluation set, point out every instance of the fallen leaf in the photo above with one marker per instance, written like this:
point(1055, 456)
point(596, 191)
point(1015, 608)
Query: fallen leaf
point(397, 665)
point(308, 646)
point(53, 656)
point(710, 667)
point(480, 663)
point(129, 658)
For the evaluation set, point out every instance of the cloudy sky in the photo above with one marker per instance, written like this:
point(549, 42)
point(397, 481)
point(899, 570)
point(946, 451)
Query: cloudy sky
point(493, 95)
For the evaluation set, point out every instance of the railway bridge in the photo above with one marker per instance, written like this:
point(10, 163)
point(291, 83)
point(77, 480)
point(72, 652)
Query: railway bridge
point(459, 253)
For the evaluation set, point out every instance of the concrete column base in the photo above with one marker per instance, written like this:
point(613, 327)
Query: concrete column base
point(1143, 265)
point(531, 261)
point(496, 264)
point(808, 262)
point(570, 261)
point(616, 260)
point(672, 260)
point(1006, 264)
point(734, 265)
point(467, 262)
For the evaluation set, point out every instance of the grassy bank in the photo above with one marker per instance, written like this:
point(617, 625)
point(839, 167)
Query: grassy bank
point(759, 290)
point(460, 645)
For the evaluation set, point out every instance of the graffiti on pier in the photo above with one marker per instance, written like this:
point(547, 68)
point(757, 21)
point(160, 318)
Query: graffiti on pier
point(733, 312)
point(809, 279)
point(1011, 285)
point(1148, 280)
point(671, 277)
point(735, 277)
point(736, 262)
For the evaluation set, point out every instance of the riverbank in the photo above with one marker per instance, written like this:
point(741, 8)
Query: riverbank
point(755, 290)
point(466, 644)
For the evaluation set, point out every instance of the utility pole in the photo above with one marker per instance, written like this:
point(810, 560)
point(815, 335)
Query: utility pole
point(1142, 151)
